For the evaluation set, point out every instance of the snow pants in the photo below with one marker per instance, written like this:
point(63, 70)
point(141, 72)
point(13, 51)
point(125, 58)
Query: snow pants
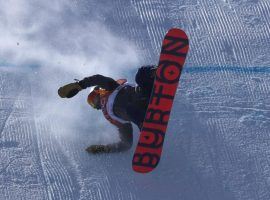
point(144, 78)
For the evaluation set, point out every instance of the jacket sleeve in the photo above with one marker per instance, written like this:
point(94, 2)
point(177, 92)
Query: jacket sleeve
point(106, 83)
point(126, 139)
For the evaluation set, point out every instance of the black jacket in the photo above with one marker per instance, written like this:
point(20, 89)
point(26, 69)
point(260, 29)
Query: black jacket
point(130, 103)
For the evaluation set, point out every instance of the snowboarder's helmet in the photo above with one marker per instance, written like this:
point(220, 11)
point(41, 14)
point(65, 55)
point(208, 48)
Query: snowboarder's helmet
point(94, 98)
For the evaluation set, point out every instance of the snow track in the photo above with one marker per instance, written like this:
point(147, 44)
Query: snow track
point(59, 174)
point(21, 174)
point(217, 146)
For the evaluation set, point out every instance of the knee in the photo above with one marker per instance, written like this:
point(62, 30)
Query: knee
point(144, 75)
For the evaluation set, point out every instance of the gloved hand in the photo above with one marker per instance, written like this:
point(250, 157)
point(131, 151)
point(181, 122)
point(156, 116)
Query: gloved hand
point(69, 90)
point(98, 149)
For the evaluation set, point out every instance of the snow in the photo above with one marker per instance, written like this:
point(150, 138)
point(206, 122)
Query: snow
point(217, 142)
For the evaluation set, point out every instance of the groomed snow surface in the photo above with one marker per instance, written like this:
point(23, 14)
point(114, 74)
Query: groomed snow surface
point(217, 145)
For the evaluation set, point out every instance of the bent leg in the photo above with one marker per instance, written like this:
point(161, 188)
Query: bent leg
point(145, 78)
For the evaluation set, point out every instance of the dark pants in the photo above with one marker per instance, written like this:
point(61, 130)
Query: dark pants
point(145, 79)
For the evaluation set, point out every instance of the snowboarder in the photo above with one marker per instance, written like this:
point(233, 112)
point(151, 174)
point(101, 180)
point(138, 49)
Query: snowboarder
point(120, 102)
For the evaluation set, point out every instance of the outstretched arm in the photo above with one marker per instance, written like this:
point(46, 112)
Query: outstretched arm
point(106, 83)
point(126, 140)
point(72, 89)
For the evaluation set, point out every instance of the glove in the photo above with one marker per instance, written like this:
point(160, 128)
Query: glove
point(98, 149)
point(69, 90)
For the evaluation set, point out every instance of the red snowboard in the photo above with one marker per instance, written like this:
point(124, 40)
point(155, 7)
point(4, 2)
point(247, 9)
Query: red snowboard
point(173, 54)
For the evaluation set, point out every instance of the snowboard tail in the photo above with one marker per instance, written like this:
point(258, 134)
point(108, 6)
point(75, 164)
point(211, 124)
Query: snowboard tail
point(173, 54)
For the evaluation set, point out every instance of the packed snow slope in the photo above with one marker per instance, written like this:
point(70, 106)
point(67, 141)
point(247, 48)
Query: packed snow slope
point(218, 140)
